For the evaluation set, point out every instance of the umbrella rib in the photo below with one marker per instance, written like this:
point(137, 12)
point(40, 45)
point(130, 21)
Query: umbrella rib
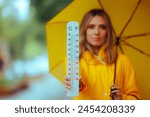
point(101, 5)
point(137, 49)
point(130, 18)
point(137, 35)
point(120, 47)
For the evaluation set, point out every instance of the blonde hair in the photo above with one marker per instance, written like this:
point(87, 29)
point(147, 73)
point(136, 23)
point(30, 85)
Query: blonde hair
point(109, 42)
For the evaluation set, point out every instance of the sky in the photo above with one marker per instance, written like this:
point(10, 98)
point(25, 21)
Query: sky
point(1, 1)
point(22, 7)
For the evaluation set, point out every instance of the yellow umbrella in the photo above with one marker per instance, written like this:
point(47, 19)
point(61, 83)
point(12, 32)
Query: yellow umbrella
point(131, 22)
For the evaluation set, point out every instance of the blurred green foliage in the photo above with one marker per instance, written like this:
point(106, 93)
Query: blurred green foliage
point(26, 38)
point(46, 9)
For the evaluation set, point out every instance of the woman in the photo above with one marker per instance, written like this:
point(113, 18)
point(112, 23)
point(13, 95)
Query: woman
point(99, 64)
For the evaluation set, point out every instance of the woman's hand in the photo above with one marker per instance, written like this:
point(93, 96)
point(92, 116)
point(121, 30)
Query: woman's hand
point(116, 92)
point(67, 83)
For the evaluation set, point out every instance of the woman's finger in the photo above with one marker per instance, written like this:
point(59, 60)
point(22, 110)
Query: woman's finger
point(118, 94)
point(67, 83)
point(67, 79)
point(68, 87)
point(115, 91)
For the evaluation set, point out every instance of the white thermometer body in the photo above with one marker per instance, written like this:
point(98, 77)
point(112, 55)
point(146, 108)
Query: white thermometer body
point(73, 57)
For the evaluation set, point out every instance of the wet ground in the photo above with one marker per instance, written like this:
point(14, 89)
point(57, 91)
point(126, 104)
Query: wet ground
point(47, 88)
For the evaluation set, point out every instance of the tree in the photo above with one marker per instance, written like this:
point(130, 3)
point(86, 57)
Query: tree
point(47, 9)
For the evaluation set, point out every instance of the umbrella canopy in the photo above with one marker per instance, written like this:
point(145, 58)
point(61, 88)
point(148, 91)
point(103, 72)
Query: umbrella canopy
point(131, 22)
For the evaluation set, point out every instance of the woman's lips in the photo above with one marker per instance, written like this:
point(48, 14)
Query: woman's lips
point(96, 39)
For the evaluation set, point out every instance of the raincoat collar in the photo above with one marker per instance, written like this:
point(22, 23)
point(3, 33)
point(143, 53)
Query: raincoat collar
point(93, 59)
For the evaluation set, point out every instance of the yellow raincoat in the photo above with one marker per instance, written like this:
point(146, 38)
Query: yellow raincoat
point(97, 78)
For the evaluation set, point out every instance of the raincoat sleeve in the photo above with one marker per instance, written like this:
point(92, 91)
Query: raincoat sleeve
point(130, 88)
point(83, 85)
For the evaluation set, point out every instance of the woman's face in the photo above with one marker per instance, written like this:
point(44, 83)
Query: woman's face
point(96, 31)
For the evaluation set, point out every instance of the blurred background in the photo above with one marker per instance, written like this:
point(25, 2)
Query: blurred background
point(23, 52)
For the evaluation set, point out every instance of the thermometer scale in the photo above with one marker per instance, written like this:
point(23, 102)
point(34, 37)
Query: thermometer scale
point(73, 57)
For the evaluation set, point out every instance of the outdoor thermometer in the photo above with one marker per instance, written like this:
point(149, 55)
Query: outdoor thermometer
point(73, 57)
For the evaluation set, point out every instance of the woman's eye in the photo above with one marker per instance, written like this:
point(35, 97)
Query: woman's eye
point(91, 26)
point(102, 26)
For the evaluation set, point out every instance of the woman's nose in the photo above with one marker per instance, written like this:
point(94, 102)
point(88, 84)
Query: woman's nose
point(97, 31)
